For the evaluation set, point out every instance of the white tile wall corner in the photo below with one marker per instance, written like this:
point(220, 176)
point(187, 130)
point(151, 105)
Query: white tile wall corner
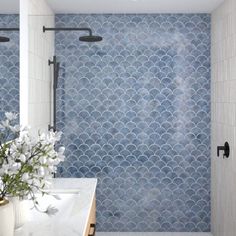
point(24, 81)
point(40, 49)
point(40, 8)
point(224, 118)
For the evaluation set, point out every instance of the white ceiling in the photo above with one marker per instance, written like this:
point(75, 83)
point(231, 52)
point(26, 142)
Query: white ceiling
point(134, 6)
point(120, 6)
point(9, 6)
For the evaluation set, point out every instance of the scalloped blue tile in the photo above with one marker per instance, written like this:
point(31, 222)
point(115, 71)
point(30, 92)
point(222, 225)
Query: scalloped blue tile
point(135, 112)
point(9, 66)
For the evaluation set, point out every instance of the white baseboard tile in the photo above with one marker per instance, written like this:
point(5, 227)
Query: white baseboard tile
point(151, 234)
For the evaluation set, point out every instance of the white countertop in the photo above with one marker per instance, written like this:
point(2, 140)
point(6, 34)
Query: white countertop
point(76, 196)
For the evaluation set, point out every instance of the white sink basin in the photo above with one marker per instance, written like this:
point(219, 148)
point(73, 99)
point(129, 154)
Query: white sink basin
point(76, 197)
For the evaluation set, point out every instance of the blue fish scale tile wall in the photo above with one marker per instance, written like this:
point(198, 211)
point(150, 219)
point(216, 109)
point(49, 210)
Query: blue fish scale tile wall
point(9, 67)
point(135, 112)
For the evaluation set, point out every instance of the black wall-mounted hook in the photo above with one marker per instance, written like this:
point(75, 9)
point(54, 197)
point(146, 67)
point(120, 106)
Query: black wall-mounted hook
point(224, 148)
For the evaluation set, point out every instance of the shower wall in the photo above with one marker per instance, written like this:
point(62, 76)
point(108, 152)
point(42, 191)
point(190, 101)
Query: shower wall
point(223, 188)
point(9, 66)
point(135, 113)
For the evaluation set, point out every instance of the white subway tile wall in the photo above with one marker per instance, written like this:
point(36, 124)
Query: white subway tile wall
point(223, 87)
point(41, 49)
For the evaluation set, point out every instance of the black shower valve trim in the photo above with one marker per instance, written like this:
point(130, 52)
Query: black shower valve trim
point(225, 149)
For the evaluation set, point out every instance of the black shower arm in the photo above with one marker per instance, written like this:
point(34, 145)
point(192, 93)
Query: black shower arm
point(9, 29)
point(67, 29)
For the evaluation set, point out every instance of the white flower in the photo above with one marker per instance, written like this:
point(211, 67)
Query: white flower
point(34, 159)
point(5, 124)
point(42, 136)
point(51, 169)
point(22, 157)
point(16, 167)
point(61, 150)
point(15, 129)
point(24, 130)
point(41, 171)
point(2, 171)
point(54, 136)
point(11, 116)
point(43, 160)
point(5, 169)
point(25, 177)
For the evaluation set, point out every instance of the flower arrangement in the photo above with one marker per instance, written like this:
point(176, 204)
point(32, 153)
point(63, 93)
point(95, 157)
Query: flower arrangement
point(26, 162)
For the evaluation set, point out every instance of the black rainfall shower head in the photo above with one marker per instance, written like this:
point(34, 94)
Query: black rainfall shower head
point(90, 38)
point(4, 39)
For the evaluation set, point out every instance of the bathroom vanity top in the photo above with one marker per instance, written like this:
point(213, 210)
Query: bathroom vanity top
point(73, 198)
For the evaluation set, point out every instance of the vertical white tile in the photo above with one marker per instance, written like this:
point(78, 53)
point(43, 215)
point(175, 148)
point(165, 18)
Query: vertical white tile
point(41, 46)
point(224, 118)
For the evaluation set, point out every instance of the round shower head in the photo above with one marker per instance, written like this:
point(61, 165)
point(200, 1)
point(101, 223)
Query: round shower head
point(4, 39)
point(90, 38)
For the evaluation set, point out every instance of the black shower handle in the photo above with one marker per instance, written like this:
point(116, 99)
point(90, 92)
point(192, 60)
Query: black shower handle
point(224, 148)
